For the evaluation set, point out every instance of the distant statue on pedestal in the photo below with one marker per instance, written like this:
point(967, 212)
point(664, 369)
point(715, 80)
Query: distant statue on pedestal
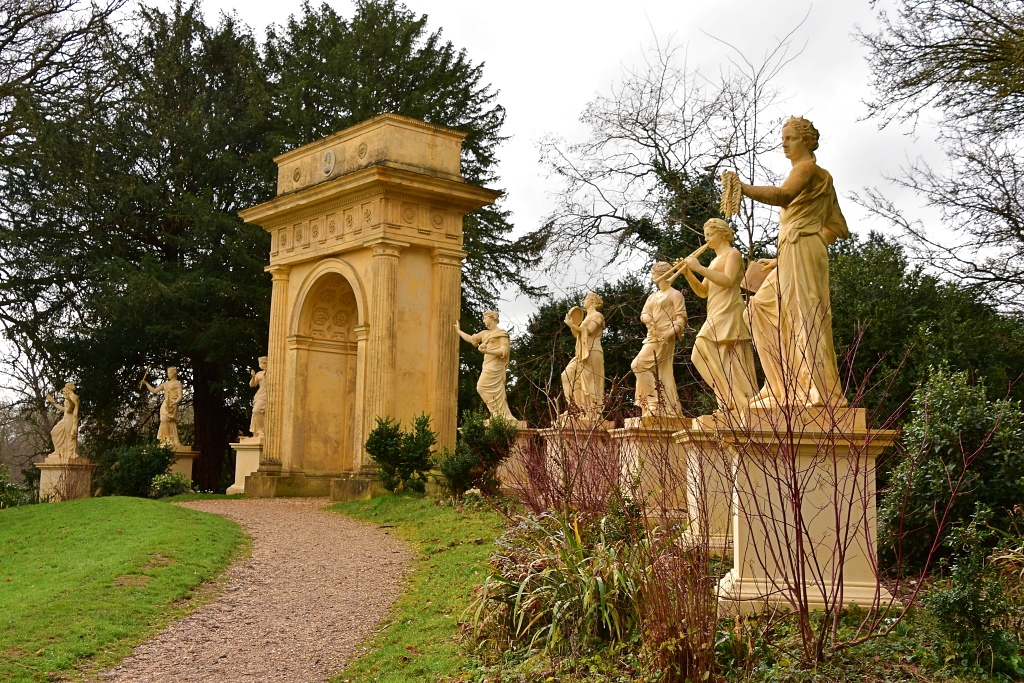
point(664, 315)
point(259, 401)
point(583, 378)
point(494, 343)
point(170, 408)
point(791, 314)
point(65, 432)
point(722, 352)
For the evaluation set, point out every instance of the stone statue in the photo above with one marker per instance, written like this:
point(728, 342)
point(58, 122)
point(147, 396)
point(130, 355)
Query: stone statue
point(664, 315)
point(494, 344)
point(170, 408)
point(583, 378)
point(722, 353)
point(259, 401)
point(791, 313)
point(65, 432)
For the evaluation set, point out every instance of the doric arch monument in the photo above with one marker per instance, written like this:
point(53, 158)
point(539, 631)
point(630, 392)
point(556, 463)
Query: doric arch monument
point(366, 258)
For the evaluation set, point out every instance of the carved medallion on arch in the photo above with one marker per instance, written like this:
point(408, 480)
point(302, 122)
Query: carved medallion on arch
point(330, 310)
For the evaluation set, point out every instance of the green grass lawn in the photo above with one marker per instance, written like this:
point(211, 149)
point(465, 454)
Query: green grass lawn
point(82, 582)
point(451, 546)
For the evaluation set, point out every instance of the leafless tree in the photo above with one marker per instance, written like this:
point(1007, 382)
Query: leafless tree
point(961, 60)
point(655, 147)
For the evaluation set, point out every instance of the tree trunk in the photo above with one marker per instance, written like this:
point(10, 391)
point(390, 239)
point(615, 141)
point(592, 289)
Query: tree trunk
point(213, 423)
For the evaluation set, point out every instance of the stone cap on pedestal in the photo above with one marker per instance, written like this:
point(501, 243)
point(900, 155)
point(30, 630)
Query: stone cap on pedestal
point(386, 140)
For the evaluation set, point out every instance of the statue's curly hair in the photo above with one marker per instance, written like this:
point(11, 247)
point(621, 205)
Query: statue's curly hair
point(492, 314)
point(722, 228)
point(598, 301)
point(806, 129)
point(661, 267)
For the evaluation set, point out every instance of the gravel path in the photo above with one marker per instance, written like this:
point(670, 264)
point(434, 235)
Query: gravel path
point(316, 585)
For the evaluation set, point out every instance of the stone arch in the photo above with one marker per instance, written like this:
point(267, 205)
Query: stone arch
point(323, 354)
point(348, 292)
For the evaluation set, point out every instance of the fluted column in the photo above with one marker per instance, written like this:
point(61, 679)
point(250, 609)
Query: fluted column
point(381, 346)
point(270, 456)
point(447, 297)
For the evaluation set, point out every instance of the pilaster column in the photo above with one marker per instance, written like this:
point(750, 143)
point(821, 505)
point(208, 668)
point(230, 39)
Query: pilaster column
point(381, 347)
point(359, 459)
point(447, 296)
point(270, 457)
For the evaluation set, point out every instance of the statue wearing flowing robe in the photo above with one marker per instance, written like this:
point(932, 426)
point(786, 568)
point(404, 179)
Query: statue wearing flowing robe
point(583, 377)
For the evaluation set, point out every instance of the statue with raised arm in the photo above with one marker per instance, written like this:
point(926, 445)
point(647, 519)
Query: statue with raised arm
point(583, 378)
point(664, 315)
point(722, 352)
point(170, 408)
point(791, 313)
point(494, 343)
point(259, 401)
point(65, 432)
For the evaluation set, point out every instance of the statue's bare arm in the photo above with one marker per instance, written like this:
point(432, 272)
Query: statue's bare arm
point(798, 179)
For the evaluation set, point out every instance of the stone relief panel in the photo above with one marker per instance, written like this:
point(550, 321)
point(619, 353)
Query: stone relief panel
point(330, 310)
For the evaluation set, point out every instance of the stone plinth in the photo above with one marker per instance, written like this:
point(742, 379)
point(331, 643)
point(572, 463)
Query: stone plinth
point(366, 260)
point(652, 461)
point(709, 486)
point(579, 458)
point(183, 464)
point(65, 479)
point(247, 461)
point(514, 472)
point(824, 550)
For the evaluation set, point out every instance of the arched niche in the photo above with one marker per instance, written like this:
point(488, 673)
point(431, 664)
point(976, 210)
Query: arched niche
point(324, 352)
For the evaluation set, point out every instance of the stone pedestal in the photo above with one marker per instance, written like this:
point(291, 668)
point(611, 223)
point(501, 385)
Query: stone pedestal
point(65, 479)
point(183, 464)
point(580, 459)
point(822, 551)
point(651, 461)
point(247, 460)
point(709, 485)
point(514, 473)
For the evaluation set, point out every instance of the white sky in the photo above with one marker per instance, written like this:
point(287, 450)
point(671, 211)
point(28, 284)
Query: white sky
point(548, 59)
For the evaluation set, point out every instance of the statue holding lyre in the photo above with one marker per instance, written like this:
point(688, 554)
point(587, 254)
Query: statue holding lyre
point(791, 313)
point(583, 378)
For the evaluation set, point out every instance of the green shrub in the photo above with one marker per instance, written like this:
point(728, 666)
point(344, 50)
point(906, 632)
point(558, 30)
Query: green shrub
point(951, 419)
point(167, 485)
point(481, 448)
point(129, 470)
point(404, 457)
point(459, 467)
point(558, 584)
point(12, 495)
point(971, 605)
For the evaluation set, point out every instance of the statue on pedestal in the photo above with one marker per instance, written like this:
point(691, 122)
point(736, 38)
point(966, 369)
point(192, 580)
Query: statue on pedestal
point(583, 378)
point(65, 432)
point(722, 352)
point(170, 408)
point(259, 401)
point(791, 314)
point(494, 343)
point(664, 315)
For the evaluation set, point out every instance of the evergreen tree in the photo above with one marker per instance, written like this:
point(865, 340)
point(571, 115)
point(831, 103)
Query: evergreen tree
point(329, 73)
point(122, 229)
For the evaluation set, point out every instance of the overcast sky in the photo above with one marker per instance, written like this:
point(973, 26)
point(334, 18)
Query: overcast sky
point(548, 59)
